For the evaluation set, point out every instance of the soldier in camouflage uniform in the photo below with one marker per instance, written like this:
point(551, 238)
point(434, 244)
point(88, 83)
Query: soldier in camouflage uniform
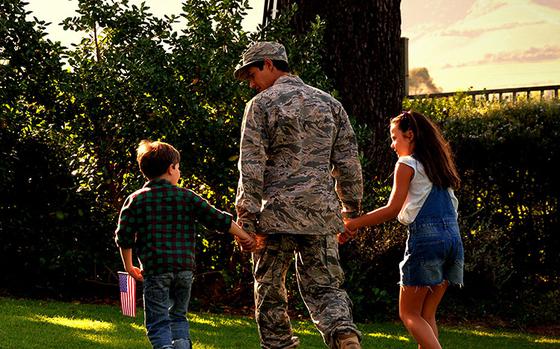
point(299, 175)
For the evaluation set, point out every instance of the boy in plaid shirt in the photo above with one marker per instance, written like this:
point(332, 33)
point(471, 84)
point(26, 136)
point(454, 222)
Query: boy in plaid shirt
point(159, 222)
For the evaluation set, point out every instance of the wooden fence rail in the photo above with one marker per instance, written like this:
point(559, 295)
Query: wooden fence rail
point(550, 91)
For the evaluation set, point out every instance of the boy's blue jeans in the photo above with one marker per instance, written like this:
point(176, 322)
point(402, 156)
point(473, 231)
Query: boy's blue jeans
point(166, 300)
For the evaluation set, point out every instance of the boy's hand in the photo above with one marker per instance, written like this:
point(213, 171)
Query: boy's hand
point(136, 273)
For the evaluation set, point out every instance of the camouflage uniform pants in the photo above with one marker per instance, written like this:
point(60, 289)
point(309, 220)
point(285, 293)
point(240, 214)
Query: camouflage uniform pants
point(319, 277)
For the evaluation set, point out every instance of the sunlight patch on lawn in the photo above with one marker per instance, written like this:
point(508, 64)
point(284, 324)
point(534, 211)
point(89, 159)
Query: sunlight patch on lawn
point(92, 337)
point(200, 320)
point(215, 321)
point(82, 324)
point(307, 331)
point(480, 333)
point(388, 336)
point(547, 340)
point(199, 345)
point(138, 327)
point(486, 334)
point(235, 322)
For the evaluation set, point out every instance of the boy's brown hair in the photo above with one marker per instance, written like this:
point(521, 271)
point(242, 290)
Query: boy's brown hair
point(155, 157)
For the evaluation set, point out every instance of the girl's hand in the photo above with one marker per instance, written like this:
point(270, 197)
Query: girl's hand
point(346, 236)
point(348, 233)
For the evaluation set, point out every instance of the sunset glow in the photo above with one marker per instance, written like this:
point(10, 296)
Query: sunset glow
point(484, 43)
point(464, 44)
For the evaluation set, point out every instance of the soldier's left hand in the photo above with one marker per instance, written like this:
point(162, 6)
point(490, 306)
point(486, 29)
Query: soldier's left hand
point(346, 236)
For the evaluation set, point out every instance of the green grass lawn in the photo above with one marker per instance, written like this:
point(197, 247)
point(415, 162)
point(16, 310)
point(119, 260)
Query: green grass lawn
point(46, 324)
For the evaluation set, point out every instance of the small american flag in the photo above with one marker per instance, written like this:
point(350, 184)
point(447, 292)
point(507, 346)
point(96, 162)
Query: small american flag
point(127, 285)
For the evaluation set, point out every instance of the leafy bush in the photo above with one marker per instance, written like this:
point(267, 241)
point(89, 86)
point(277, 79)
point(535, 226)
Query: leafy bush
point(508, 214)
point(73, 118)
point(70, 120)
point(509, 199)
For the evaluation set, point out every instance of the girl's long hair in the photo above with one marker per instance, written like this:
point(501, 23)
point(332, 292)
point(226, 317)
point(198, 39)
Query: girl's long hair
point(430, 148)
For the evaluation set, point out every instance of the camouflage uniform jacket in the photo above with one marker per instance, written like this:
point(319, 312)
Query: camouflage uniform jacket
point(298, 162)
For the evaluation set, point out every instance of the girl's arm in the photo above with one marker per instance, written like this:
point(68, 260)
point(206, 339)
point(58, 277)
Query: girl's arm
point(401, 183)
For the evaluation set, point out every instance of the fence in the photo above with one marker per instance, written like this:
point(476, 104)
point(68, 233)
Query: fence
point(511, 94)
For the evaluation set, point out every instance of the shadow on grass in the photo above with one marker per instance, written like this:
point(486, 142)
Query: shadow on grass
point(41, 324)
point(480, 338)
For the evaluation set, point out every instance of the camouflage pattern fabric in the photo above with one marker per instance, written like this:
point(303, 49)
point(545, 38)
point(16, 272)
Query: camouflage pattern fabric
point(298, 162)
point(319, 277)
point(258, 52)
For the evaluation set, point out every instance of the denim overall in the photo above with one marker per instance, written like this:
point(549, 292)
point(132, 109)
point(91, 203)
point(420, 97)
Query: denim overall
point(434, 251)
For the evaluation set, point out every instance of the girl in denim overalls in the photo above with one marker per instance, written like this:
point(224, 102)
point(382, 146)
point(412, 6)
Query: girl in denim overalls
point(422, 198)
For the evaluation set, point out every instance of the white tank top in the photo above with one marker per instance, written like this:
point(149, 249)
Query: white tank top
point(420, 187)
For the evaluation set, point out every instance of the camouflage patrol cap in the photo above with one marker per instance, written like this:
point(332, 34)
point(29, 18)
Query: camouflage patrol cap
point(258, 52)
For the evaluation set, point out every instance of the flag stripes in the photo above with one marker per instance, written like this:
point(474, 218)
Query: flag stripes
point(127, 286)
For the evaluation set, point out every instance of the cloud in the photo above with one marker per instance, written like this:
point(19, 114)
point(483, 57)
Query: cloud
point(530, 55)
point(555, 4)
point(473, 33)
point(484, 7)
point(419, 16)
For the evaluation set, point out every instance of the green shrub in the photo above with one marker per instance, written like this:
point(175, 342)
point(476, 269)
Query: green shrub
point(68, 136)
point(508, 214)
point(69, 133)
point(509, 198)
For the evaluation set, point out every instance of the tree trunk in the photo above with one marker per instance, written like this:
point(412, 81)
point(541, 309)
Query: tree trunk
point(364, 58)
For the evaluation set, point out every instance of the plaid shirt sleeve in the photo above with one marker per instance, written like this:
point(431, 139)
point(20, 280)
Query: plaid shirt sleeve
point(208, 215)
point(125, 235)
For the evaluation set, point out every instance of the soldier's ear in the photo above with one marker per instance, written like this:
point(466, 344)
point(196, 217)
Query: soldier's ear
point(268, 64)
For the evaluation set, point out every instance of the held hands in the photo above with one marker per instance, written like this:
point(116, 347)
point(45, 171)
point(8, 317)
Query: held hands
point(348, 234)
point(246, 242)
point(244, 239)
point(136, 273)
point(259, 242)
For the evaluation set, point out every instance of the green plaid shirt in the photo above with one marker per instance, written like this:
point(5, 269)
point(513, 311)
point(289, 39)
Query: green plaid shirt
point(159, 222)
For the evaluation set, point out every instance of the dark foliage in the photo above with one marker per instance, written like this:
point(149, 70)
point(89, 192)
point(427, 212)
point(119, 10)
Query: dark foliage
point(70, 119)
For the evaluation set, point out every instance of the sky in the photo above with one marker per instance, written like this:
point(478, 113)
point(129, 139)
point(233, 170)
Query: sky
point(484, 43)
point(464, 44)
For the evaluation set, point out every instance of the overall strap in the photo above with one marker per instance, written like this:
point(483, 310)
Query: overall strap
point(437, 205)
